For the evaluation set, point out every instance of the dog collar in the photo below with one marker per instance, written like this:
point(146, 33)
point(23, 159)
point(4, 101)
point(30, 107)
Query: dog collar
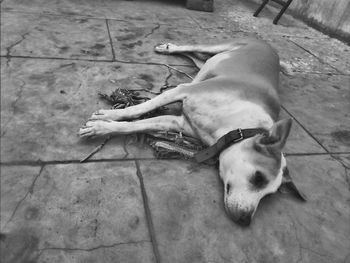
point(225, 141)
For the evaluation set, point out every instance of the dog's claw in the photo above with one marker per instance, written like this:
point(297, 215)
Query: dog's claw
point(85, 131)
point(94, 128)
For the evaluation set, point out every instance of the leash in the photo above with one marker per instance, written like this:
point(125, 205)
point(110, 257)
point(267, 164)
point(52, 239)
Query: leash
point(225, 141)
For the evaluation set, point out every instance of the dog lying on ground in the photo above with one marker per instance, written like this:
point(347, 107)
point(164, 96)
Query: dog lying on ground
point(232, 105)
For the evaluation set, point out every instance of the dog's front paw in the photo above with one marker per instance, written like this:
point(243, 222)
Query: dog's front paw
point(95, 128)
point(166, 48)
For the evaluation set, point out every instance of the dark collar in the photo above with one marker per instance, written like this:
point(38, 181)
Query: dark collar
point(225, 141)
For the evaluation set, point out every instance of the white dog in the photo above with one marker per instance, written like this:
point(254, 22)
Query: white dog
point(232, 105)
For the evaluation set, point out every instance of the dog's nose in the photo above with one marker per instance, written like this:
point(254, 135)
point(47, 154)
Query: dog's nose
point(245, 219)
point(241, 217)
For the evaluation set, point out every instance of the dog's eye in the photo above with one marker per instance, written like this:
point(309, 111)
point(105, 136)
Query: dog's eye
point(258, 180)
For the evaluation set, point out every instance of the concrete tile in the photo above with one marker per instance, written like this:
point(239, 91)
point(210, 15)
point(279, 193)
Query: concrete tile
point(159, 12)
point(16, 182)
point(241, 12)
point(299, 141)
point(214, 20)
point(44, 102)
point(128, 253)
point(164, 12)
point(330, 50)
point(52, 36)
point(298, 59)
point(321, 104)
point(345, 159)
point(188, 215)
point(87, 8)
point(77, 212)
point(135, 41)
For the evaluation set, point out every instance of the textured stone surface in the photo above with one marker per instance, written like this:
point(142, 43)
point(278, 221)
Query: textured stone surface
point(321, 104)
point(187, 209)
point(331, 51)
point(70, 210)
point(135, 40)
point(89, 8)
point(298, 59)
point(298, 140)
point(44, 102)
point(163, 12)
point(16, 183)
point(52, 36)
point(58, 210)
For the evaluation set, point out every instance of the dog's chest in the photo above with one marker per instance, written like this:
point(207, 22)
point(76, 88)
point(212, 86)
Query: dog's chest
point(213, 116)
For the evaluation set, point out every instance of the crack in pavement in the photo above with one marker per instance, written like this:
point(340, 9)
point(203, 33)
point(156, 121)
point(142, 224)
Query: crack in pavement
point(297, 239)
point(153, 30)
point(95, 248)
point(30, 191)
point(148, 213)
point(103, 61)
point(301, 246)
point(319, 59)
point(346, 169)
point(304, 128)
point(14, 105)
point(8, 49)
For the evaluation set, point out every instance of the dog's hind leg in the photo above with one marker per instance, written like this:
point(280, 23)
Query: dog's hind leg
point(169, 48)
point(160, 123)
point(199, 54)
point(136, 111)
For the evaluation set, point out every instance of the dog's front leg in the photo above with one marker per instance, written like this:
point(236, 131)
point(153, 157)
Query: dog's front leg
point(161, 123)
point(136, 111)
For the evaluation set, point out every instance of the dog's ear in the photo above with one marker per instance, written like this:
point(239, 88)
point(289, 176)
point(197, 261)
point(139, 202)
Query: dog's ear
point(289, 187)
point(275, 141)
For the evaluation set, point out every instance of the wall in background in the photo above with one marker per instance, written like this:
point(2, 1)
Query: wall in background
point(331, 16)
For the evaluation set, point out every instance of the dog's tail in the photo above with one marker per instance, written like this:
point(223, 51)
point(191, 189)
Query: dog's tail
point(286, 69)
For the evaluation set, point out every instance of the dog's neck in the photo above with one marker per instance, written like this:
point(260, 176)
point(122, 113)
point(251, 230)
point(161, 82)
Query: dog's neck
point(251, 119)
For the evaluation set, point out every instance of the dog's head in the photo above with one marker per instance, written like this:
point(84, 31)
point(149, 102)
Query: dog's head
point(254, 168)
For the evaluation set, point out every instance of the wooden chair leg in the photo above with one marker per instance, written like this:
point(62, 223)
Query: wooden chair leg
point(260, 7)
point(285, 6)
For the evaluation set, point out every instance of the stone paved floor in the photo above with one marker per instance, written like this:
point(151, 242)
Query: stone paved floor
point(124, 205)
